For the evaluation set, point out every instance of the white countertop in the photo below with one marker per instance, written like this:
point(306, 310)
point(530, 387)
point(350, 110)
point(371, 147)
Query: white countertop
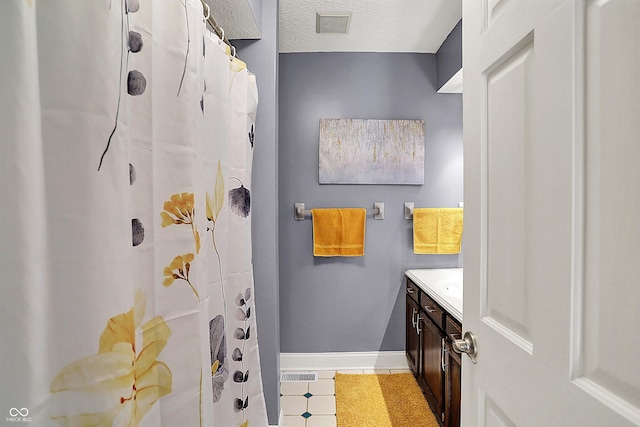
point(444, 285)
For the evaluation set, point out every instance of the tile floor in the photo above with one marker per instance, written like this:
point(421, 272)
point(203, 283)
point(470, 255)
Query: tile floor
point(313, 404)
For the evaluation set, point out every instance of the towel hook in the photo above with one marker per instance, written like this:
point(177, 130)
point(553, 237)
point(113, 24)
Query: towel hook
point(408, 210)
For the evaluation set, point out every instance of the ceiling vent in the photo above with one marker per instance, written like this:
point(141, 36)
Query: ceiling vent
point(333, 22)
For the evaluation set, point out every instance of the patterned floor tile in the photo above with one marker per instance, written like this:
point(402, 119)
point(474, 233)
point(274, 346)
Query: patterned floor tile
point(323, 387)
point(293, 405)
point(294, 388)
point(326, 374)
point(322, 421)
point(322, 405)
point(294, 421)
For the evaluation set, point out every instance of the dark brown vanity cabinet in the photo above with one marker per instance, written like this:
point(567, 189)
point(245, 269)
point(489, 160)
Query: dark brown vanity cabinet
point(429, 331)
point(452, 375)
point(412, 336)
point(412, 331)
point(431, 375)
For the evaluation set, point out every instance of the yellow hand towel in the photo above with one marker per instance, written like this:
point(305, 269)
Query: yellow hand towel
point(437, 230)
point(338, 232)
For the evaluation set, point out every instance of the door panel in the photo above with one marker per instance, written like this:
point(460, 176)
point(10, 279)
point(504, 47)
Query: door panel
point(492, 10)
point(492, 415)
point(552, 212)
point(431, 364)
point(452, 388)
point(612, 189)
point(506, 304)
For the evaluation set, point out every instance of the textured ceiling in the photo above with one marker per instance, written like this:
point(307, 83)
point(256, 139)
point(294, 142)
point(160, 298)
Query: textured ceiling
point(376, 26)
point(235, 17)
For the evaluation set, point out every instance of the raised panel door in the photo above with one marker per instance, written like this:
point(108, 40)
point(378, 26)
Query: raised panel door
point(551, 107)
point(431, 372)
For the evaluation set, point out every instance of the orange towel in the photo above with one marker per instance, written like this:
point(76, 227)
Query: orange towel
point(437, 230)
point(338, 232)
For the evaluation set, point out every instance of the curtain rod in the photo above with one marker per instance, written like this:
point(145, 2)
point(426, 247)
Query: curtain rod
point(206, 10)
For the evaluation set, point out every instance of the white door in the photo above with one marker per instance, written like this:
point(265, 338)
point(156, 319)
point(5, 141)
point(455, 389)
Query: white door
point(552, 219)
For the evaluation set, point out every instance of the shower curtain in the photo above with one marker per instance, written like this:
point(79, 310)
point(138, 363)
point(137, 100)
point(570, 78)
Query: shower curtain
point(126, 283)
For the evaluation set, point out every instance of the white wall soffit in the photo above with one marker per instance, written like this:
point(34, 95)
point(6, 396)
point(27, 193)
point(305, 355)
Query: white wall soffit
point(236, 18)
point(453, 85)
point(376, 26)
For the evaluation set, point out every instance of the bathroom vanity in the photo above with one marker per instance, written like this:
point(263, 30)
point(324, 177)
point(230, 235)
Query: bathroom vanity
point(433, 320)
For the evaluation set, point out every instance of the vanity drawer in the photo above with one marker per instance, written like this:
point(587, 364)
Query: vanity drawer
point(432, 309)
point(453, 329)
point(412, 290)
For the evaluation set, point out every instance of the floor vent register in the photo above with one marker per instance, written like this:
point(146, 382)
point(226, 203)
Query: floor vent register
point(298, 377)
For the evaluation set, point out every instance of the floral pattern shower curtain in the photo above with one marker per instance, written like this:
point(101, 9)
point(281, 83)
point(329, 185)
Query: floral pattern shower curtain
point(125, 236)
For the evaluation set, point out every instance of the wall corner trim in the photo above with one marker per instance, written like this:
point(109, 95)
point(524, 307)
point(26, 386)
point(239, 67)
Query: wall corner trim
point(280, 420)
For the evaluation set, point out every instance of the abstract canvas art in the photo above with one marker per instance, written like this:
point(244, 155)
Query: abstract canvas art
point(358, 151)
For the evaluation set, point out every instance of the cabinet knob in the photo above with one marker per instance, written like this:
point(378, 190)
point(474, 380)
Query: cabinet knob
point(467, 344)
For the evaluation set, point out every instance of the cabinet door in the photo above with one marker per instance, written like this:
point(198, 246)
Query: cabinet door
point(452, 388)
point(432, 375)
point(412, 337)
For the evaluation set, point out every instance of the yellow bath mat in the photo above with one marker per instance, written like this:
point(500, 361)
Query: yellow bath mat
point(338, 232)
point(437, 230)
point(385, 400)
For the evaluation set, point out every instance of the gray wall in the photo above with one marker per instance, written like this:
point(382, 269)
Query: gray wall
point(357, 304)
point(449, 56)
point(261, 57)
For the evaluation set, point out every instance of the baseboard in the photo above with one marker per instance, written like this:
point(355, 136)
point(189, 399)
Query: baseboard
point(344, 360)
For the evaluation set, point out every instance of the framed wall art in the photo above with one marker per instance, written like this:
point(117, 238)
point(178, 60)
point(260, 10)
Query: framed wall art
point(360, 151)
